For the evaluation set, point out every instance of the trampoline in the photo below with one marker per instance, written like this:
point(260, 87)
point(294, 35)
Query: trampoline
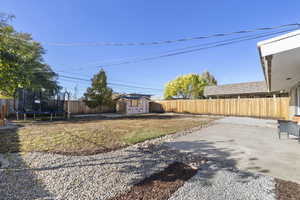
point(39, 102)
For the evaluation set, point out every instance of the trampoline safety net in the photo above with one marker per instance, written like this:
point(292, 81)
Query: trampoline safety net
point(39, 101)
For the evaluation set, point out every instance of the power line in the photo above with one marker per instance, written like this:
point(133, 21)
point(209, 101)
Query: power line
point(88, 80)
point(169, 41)
point(114, 84)
point(103, 61)
point(217, 44)
point(80, 74)
point(179, 49)
point(214, 35)
point(230, 41)
point(158, 42)
point(119, 90)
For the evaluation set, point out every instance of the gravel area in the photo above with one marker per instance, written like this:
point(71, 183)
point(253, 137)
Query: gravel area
point(219, 183)
point(83, 177)
point(102, 176)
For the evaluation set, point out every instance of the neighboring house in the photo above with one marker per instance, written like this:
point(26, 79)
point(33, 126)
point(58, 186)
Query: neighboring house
point(280, 60)
point(133, 103)
point(241, 90)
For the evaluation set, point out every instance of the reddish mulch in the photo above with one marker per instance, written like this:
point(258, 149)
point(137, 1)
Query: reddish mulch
point(287, 190)
point(160, 186)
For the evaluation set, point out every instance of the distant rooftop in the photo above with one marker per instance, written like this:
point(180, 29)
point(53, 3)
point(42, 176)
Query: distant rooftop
point(236, 89)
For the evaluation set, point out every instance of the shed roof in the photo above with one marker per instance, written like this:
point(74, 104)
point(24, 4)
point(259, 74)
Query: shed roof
point(236, 89)
point(132, 97)
point(139, 95)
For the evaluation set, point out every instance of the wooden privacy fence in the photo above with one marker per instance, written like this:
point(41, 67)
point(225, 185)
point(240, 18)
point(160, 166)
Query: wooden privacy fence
point(3, 113)
point(79, 107)
point(277, 108)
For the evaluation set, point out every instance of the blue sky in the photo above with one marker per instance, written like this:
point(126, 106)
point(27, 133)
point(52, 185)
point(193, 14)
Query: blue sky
point(75, 21)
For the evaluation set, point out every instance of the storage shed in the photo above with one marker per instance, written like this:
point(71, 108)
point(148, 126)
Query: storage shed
point(133, 104)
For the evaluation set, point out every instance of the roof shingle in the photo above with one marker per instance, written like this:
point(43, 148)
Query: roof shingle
point(236, 89)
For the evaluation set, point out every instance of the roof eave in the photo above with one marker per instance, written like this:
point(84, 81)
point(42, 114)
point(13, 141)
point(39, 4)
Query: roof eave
point(265, 71)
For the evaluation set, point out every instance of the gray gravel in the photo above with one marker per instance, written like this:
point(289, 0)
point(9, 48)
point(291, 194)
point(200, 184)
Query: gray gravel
point(213, 182)
point(102, 176)
point(48, 176)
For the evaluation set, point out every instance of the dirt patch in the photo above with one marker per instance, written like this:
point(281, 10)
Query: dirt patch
point(287, 190)
point(160, 186)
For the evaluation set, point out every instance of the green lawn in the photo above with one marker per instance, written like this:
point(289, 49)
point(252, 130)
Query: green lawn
point(94, 135)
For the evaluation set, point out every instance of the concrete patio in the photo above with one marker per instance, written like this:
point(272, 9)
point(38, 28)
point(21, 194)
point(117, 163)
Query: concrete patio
point(248, 144)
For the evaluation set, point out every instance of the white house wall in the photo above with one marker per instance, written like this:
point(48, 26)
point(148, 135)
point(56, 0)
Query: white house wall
point(293, 106)
point(293, 102)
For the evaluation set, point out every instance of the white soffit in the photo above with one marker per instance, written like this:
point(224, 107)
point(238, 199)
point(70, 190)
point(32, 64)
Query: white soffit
point(285, 70)
point(279, 44)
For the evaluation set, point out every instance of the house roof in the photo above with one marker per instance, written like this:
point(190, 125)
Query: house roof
point(279, 57)
point(236, 89)
point(279, 38)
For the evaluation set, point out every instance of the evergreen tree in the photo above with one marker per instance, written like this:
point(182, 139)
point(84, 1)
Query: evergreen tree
point(98, 94)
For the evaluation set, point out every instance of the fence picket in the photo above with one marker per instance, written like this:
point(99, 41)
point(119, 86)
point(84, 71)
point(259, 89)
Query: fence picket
point(275, 107)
